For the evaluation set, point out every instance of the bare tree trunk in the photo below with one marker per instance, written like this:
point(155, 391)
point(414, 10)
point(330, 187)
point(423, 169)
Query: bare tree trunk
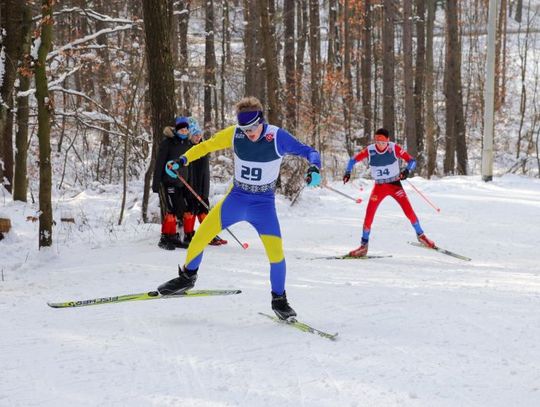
point(20, 182)
point(333, 34)
point(378, 49)
point(419, 75)
point(224, 30)
point(519, 11)
point(44, 126)
point(522, 105)
point(127, 133)
point(84, 75)
point(408, 79)
point(347, 73)
point(289, 61)
point(455, 126)
point(430, 114)
point(388, 67)
point(175, 27)
point(273, 85)
point(504, 64)
point(160, 79)
point(461, 140)
point(103, 78)
point(11, 11)
point(315, 59)
point(500, 54)
point(302, 30)
point(183, 58)
point(254, 72)
point(209, 67)
point(366, 62)
point(6, 152)
point(227, 32)
point(250, 41)
point(450, 86)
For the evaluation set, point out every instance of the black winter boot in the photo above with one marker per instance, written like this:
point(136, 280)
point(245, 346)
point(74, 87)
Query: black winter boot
point(166, 242)
point(187, 237)
point(185, 281)
point(281, 307)
point(178, 242)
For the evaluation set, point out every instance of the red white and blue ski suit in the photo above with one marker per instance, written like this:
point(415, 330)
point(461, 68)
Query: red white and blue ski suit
point(385, 171)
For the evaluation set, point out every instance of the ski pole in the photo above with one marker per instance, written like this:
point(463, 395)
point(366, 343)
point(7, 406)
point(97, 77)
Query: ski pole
point(423, 196)
point(297, 194)
point(359, 200)
point(244, 245)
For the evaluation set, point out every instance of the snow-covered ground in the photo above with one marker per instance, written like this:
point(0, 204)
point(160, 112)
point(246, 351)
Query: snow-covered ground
point(417, 329)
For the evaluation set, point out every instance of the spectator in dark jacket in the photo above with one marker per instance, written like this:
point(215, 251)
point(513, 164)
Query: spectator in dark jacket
point(172, 193)
point(199, 175)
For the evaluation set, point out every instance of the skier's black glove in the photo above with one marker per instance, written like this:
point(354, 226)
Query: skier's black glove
point(346, 177)
point(313, 178)
point(404, 174)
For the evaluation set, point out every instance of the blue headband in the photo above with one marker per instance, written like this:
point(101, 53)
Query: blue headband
point(249, 118)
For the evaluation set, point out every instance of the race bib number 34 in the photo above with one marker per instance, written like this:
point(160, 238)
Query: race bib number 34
point(381, 172)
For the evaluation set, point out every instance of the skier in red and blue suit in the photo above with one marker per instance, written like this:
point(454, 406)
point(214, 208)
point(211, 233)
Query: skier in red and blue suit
point(258, 148)
point(383, 158)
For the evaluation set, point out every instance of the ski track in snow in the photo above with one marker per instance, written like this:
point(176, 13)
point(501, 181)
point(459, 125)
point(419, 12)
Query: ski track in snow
point(417, 329)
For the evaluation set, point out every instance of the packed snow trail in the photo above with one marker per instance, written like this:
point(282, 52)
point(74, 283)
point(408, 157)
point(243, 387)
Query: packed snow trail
point(415, 329)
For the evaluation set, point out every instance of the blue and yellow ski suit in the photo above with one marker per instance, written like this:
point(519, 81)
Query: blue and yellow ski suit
point(252, 196)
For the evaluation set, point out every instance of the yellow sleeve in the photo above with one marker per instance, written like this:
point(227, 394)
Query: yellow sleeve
point(222, 139)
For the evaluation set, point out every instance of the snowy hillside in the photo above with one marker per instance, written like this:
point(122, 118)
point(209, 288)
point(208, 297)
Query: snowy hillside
point(417, 329)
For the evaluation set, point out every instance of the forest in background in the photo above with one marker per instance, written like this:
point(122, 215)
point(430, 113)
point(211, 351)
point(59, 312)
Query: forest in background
point(87, 86)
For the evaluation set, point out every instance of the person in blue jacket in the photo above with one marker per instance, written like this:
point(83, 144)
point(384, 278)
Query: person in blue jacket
point(258, 148)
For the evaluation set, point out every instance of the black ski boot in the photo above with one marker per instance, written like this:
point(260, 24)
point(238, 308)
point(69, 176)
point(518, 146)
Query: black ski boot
point(166, 242)
point(178, 242)
point(185, 281)
point(281, 307)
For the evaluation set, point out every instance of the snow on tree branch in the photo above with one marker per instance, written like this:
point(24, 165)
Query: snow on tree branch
point(87, 38)
point(52, 84)
point(91, 14)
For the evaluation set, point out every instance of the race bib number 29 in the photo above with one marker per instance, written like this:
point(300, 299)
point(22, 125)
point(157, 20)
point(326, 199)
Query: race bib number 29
point(251, 174)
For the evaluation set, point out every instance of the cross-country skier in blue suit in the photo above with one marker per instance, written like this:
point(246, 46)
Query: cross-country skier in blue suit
point(259, 148)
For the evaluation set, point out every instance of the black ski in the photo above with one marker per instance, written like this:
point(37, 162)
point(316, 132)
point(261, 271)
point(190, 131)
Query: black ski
point(301, 326)
point(151, 295)
point(440, 250)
